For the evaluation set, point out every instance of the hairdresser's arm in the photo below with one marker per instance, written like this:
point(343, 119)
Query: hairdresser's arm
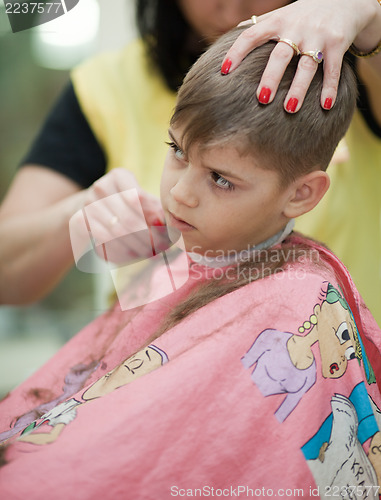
point(35, 250)
point(328, 25)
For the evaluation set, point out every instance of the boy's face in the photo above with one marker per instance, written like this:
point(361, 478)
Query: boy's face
point(219, 200)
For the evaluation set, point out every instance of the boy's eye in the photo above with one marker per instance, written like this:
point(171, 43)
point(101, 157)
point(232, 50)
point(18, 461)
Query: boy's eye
point(221, 182)
point(177, 151)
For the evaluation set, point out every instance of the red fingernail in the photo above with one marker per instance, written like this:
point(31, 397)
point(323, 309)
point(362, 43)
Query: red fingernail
point(264, 95)
point(226, 67)
point(158, 222)
point(328, 103)
point(292, 104)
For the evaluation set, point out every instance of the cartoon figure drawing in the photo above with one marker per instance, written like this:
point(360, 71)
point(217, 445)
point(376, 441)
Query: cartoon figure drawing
point(335, 454)
point(275, 373)
point(57, 418)
point(141, 363)
point(73, 382)
point(285, 364)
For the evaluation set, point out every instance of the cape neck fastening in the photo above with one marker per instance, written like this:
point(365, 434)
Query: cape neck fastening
point(222, 261)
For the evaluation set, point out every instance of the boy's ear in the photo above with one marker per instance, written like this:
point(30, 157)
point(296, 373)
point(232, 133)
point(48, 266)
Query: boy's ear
point(305, 193)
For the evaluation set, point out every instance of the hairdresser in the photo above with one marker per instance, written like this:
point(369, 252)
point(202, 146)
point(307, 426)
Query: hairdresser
point(114, 113)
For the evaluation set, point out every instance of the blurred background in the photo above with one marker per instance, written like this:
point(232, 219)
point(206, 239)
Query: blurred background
point(35, 66)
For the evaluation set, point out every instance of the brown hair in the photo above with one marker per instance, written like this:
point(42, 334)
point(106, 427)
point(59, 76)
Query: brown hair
point(216, 109)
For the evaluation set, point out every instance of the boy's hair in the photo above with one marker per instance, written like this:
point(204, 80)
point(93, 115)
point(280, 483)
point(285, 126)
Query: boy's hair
point(217, 109)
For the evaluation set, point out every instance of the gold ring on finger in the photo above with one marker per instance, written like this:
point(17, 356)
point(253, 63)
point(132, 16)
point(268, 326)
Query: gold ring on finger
point(291, 44)
point(317, 55)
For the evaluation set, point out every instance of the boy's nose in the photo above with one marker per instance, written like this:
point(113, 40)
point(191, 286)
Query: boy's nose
point(184, 191)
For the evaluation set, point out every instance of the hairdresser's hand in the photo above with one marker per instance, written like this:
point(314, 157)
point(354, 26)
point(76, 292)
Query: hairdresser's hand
point(329, 26)
point(125, 222)
point(117, 181)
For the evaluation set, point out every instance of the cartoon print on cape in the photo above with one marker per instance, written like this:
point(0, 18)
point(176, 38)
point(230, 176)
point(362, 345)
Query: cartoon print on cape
point(335, 454)
point(285, 364)
point(144, 361)
point(73, 382)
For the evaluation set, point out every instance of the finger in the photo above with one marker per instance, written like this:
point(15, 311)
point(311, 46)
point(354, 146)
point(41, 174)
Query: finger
point(160, 238)
point(118, 194)
point(125, 206)
point(248, 40)
point(103, 187)
point(130, 247)
point(113, 182)
point(119, 240)
point(106, 213)
point(305, 72)
point(124, 179)
point(153, 213)
point(248, 23)
point(278, 61)
point(140, 201)
point(332, 71)
point(147, 204)
point(254, 20)
point(131, 208)
point(111, 218)
point(104, 226)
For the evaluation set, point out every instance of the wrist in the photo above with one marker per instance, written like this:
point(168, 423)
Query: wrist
point(368, 41)
point(67, 207)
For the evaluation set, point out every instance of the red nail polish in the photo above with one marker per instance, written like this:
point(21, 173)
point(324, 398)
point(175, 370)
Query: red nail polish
point(328, 103)
point(264, 95)
point(226, 67)
point(292, 104)
point(158, 222)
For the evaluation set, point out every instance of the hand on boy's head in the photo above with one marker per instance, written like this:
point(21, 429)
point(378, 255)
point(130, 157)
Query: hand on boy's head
point(216, 109)
point(322, 28)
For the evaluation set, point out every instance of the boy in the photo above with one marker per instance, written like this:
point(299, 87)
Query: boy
point(267, 389)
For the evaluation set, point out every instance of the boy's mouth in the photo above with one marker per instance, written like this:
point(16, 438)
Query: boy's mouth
point(178, 223)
